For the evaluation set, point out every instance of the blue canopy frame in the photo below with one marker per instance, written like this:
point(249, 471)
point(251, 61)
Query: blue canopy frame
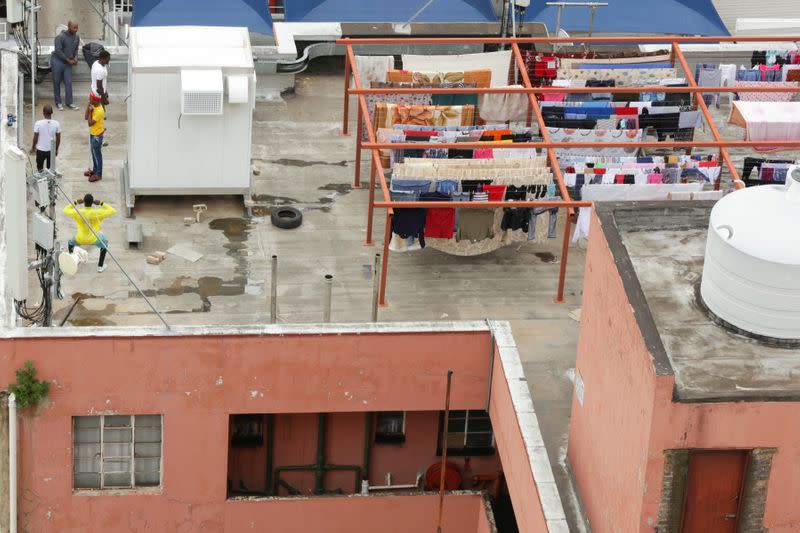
point(252, 14)
point(388, 11)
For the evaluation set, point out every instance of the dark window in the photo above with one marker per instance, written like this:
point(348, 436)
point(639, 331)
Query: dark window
point(391, 427)
point(247, 431)
point(468, 433)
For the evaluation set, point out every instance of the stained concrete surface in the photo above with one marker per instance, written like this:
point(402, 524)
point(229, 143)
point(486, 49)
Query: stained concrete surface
point(709, 361)
point(302, 160)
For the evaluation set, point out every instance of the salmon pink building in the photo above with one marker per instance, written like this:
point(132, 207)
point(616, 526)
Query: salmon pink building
point(680, 422)
point(284, 428)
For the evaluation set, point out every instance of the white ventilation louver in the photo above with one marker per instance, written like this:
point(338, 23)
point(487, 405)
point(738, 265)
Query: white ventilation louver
point(202, 92)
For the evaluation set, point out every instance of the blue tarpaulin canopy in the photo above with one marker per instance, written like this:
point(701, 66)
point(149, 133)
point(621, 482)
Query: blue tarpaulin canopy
point(388, 11)
point(252, 14)
point(689, 17)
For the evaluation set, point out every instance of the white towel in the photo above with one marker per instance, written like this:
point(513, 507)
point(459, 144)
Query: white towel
point(373, 68)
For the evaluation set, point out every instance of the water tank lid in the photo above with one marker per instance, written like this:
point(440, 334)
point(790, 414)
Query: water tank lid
point(763, 222)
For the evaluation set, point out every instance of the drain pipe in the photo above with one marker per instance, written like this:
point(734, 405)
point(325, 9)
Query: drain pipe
point(273, 291)
point(326, 309)
point(12, 463)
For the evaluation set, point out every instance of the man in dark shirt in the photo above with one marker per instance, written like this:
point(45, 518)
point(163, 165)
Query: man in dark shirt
point(64, 56)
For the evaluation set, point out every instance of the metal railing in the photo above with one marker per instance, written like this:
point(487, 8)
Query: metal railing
point(378, 177)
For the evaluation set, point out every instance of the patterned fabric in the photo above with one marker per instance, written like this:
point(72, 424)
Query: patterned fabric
point(638, 76)
point(405, 99)
point(481, 78)
point(387, 115)
point(766, 97)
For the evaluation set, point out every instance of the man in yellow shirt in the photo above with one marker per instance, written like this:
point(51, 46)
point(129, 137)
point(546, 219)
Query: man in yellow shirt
point(96, 118)
point(94, 215)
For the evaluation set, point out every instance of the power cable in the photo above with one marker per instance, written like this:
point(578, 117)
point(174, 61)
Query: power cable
point(146, 299)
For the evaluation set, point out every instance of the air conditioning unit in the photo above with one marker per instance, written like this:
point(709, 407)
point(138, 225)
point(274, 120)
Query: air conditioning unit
point(202, 92)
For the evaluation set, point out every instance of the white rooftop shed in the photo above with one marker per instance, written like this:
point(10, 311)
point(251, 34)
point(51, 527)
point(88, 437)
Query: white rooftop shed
point(190, 111)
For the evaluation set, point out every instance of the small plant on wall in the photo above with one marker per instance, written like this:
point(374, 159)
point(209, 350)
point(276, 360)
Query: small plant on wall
point(28, 390)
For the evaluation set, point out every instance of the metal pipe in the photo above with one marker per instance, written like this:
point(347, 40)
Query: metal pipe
point(370, 201)
point(661, 39)
point(319, 473)
point(481, 205)
point(444, 450)
point(375, 285)
point(562, 269)
point(571, 90)
point(610, 144)
point(347, 75)
point(135, 285)
point(53, 154)
point(20, 108)
point(491, 366)
point(326, 310)
point(273, 291)
point(367, 444)
point(387, 236)
point(12, 463)
point(105, 22)
point(270, 450)
point(34, 57)
point(359, 133)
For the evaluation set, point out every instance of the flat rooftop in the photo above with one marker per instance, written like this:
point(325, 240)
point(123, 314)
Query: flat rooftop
point(666, 246)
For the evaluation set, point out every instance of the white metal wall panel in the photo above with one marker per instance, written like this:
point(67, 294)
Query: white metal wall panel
point(730, 10)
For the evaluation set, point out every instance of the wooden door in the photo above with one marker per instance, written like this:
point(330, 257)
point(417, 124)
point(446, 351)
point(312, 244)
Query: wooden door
point(713, 491)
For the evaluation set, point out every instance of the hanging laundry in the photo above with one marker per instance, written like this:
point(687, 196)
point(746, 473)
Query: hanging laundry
point(503, 107)
point(372, 68)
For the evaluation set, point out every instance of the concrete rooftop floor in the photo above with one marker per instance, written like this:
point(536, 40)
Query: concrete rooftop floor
point(304, 161)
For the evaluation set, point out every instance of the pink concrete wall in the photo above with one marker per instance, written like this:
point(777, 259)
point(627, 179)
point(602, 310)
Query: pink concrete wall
point(618, 437)
point(384, 514)
point(196, 383)
point(508, 440)
point(296, 439)
point(740, 425)
point(609, 434)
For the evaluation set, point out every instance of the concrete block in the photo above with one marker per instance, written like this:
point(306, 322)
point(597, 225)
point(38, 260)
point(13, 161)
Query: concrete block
point(557, 526)
point(540, 464)
point(153, 260)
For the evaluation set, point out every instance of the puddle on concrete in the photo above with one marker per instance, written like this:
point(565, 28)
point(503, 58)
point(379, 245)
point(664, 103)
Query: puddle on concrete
point(274, 200)
point(545, 257)
point(341, 188)
point(304, 163)
point(234, 229)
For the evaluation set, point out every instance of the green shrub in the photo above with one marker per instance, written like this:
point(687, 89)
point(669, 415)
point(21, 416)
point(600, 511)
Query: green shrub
point(28, 390)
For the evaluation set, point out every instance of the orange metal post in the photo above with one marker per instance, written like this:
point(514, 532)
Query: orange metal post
point(371, 208)
point(562, 269)
point(359, 131)
point(387, 236)
point(551, 156)
point(347, 72)
point(698, 97)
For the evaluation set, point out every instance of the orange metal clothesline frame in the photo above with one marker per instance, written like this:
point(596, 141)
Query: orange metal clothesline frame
point(376, 169)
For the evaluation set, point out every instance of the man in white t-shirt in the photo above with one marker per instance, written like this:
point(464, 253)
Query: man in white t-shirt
point(100, 76)
point(44, 132)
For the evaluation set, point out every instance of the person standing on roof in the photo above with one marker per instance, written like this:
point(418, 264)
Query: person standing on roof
point(96, 119)
point(44, 133)
point(94, 211)
point(64, 56)
point(100, 75)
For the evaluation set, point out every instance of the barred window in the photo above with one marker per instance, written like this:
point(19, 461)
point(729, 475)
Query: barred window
point(116, 451)
point(468, 433)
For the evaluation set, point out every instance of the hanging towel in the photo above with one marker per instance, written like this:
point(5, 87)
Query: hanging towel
point(503, 107)
point(373, 68)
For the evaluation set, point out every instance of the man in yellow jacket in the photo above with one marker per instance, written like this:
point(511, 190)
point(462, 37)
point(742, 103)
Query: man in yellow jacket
point(94, 211)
